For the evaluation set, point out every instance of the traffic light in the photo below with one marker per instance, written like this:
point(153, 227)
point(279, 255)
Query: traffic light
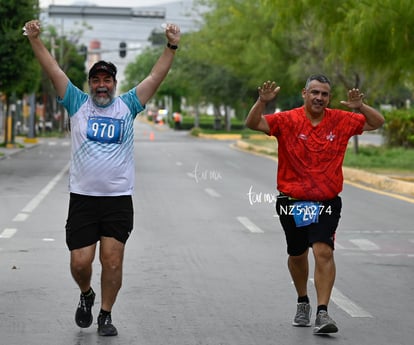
point(122, 49)
point(83, 51)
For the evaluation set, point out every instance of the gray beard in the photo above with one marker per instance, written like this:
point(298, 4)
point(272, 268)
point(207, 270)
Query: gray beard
point(102, 101)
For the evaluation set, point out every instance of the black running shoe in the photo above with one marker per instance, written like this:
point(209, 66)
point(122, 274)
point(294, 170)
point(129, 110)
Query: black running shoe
point(105, 326)
point(83, 316)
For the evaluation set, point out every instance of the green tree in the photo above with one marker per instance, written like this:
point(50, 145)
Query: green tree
point(363, 44)
point(67, 52)
point(379, 35)
point(356, 41)
point(351, 41)
point(18, 73)
point(138, 70)
point(229, 39)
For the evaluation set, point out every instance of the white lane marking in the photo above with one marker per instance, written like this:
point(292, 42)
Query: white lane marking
point(7, 233)
point(379, 232)
point(383, 255)
point(344, 303)
point(20, 217)
point(212, 192)
point(249, 225)
point(31, 206)
point(233, 164)
point(388, 255)
point(338, 246)
point(364, 244)
point(347, 305)
point(178, 164)
point(48, 240)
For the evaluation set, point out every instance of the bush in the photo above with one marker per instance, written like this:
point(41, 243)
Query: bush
point(399, 128)
point(207, 122)
point(195, 131)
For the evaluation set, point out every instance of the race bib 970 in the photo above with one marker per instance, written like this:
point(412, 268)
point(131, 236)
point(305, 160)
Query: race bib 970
point(105, 130)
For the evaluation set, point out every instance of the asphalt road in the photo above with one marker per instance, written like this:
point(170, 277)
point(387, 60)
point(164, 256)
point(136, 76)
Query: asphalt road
point(206, 262)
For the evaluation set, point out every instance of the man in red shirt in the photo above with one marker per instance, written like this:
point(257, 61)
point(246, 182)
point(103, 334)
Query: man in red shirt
point(312, 142)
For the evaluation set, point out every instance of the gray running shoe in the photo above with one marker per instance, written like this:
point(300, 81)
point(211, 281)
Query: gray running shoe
point(303, 315)
point(324, 324)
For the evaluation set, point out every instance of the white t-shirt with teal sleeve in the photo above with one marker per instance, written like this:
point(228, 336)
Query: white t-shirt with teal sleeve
point(102, 162)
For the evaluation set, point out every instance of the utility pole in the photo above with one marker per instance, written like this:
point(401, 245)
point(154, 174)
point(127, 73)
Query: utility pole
point(31, 135)
point(10, 120)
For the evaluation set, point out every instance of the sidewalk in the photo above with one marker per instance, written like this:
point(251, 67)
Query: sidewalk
point(20, 145)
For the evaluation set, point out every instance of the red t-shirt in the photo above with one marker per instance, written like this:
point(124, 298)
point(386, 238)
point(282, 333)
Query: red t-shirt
point(310, 157)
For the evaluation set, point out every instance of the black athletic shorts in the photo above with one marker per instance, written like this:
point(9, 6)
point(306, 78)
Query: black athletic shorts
point(91, 217)
point(315, 222)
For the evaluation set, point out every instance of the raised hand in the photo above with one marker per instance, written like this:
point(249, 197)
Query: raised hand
point(32, 29)
point(268, 91)
point(355, 98)
point(173, 33)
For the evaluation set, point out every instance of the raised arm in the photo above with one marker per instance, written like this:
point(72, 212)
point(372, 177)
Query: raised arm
point(255, 119)
point(46, 60)
point(147, 88)
point(373, 118)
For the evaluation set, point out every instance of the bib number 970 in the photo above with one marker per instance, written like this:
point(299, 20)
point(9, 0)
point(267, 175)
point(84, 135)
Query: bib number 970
point(105, 130)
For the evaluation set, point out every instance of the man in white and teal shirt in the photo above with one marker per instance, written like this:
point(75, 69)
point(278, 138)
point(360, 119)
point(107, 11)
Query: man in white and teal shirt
point(101, 179)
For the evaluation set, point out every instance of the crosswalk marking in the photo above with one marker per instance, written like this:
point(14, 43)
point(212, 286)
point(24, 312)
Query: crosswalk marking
point(7, 233)
point(212, 192)
point(249, 225)
point(364, 244)
point(20, 217)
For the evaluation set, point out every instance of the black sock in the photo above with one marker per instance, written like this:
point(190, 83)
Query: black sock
point(88, 293)
point(303, 299)
point(104, 313)
point(322, 307)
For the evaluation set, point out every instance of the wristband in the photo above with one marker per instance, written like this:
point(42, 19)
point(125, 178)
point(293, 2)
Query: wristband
point(172, 46)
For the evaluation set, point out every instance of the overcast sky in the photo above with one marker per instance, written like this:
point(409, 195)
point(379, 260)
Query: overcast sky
point(118, 3)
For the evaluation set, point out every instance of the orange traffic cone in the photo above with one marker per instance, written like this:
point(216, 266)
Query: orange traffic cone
point(151, 136)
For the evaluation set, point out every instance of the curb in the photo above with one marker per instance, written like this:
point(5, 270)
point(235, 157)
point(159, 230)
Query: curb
point(381, 182)
point(25, 145)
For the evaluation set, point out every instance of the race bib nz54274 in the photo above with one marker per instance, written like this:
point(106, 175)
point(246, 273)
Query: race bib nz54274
point(105, 129)
point(306, 212)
